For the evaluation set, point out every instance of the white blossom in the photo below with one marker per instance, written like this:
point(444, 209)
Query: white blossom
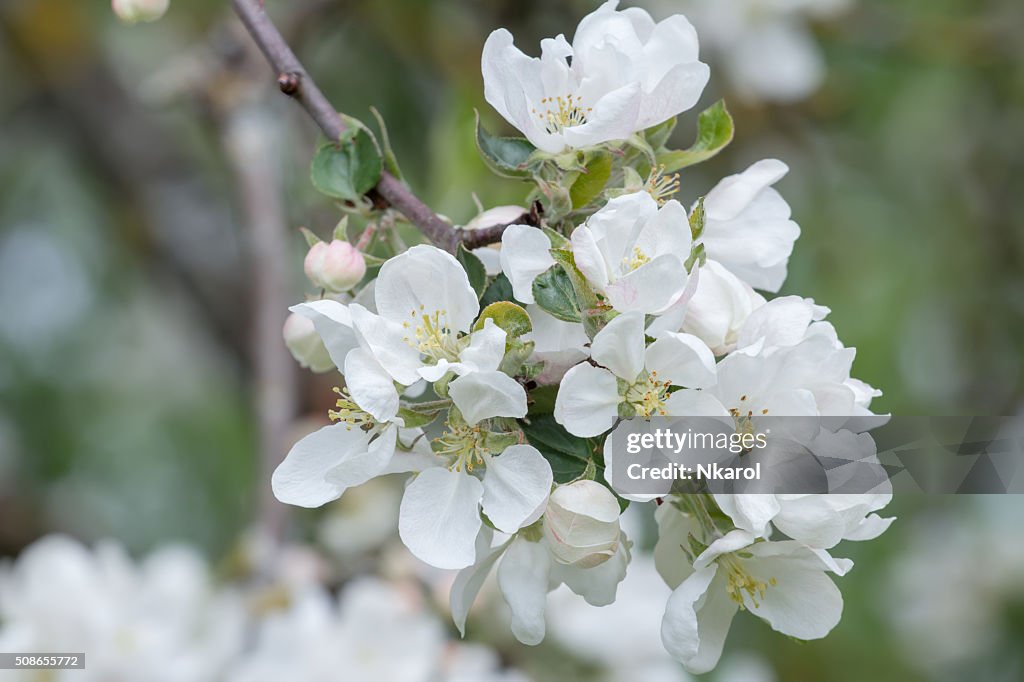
point(634, 252)
point(631, 374)
point(748, 228)
point(529, 567)
point(784, 583)
point(621, 74)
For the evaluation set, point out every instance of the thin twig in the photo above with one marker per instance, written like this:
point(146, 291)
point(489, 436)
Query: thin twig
point(294, 81)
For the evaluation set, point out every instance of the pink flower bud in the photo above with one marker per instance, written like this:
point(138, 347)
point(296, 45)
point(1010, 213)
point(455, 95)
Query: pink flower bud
point(134, 11)
point(336, 267)
point(305, 344)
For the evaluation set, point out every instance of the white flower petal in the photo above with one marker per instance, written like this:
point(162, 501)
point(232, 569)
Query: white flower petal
point(333, 323)
point(810, 520)
point(697, 620)
point(652, 288)
point(599, 584)
point(301, 479)
point(674, 530)
point(486, 348)
point(370, 386)
point(387, 341)
point(732, 195)
point(523, 579)
point(468, 582)
point(362, 465)
point(423, 281)
point(439, 517)
point(802, 602)
point(620, 346)
point(516, 487)
point(588, 400)
point(750, 512)
point(682, 359)
point(482, 395)
point(525, 254)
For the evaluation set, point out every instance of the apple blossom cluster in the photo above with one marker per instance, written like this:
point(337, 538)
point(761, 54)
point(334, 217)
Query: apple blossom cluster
point(492, 378)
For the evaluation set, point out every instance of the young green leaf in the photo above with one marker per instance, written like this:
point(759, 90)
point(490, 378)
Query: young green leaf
point(591, 182)
point(474, 268)
point(498, 290)
point(568, 455)
point(714, 132)
point(554, 293)
point(347, 169)
point(506, 156)
point(507, 315)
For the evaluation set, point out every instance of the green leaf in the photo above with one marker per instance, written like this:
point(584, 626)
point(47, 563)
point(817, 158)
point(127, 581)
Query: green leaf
point(714, 132)
point(554, 293)
point(658, 135)
point(498, 290)
point(507, 315)
point(590, 308)
point(567, 454)
point(591, 182)
point(506, 156)
point(474, 268)
point(350, 168)
point(542, 400)
point(557, 239)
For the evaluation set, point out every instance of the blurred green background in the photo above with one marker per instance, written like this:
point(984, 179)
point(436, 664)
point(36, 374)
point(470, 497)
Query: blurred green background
point(127, 285)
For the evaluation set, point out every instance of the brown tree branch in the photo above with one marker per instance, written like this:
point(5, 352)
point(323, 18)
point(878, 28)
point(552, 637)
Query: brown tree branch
point(294, 81)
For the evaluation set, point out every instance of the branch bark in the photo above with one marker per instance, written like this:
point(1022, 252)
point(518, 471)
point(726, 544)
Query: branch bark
point(295, 81)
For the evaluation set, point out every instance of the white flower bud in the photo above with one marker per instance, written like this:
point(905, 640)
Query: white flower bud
point(581, 524)
point(134, 11)
point(305, 344)
point(336, 266)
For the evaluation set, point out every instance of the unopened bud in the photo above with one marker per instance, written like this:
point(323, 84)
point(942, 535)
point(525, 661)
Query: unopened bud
point(305, 344)
point(581, 524)
point(135, 11)
point(336, 266)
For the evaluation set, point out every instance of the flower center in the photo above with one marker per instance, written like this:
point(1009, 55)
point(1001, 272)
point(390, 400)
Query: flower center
point(463, 445)
point(661, 186)
point(431, 335)
point(559, 113)
point(743, 416)
point(350, 413)
point(738, 582)
point(648, 395)
point(635, 260)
